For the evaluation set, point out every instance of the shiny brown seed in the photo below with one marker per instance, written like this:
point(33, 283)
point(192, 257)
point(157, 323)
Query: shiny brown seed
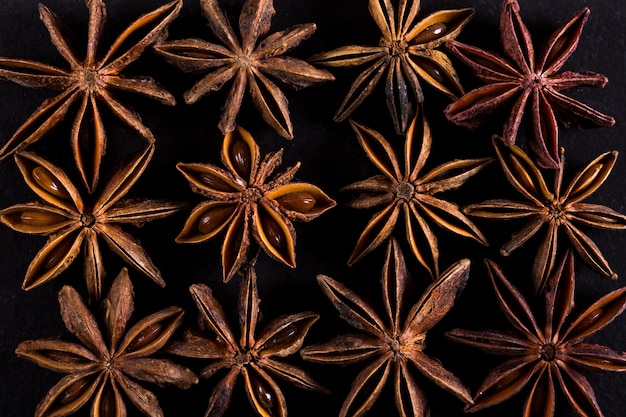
point(302, 202)
point(214, 182)
point(242, 160)
point(49, 183)
point(263, 394)
point(73, 392)
point(107, 403)
point(213, 218)
point(285, 337)
point(147, 335)
point(38, 218)
point(56, 255)
point(431, 33)
point(590, 320)
point(273, 232)
point(432, 69)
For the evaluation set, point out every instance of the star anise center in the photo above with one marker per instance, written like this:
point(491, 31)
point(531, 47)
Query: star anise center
point(243, 358)
point(395, 48)
point(555, 212)
point(405, 190)
point(251, 195)
point(548, 352)
point(87, 220)
point(89, 79)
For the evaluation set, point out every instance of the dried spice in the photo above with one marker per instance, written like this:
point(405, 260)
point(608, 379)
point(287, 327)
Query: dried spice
point(402, 190)
point(251, 355)
point(87, 83)
point(395, 346)
point(245, 201)
point(250, 63)
point(104, 366)
point(521, 80)
point(558, 211)
point(72, 222)
point(542, 355)
point(407, 51)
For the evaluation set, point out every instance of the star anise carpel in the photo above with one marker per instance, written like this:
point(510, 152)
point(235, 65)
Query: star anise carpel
point(528, 83)
point(550, 355)
point(253, 61)
point(407, 52)
point(109, 360)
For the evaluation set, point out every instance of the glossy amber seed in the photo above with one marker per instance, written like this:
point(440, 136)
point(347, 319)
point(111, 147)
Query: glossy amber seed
point(434, 70)
point(431, 33)
point(38, 218)
point(241, 158)
point(213, 218)
point(49, 183)
point(73, 392)
point(284, 337)
point(302, 202)
point(56, 255)
point(215, 182)
point(263, 394)
point(147, 335)
point(273, 232)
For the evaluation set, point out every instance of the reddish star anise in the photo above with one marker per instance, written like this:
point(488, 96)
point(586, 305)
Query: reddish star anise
point(406, 52)
point(72, 222)
point(107, 363)
point(245, 201)
point(88, 82)
point(524, 80)
point(405, 189)
point(250, 63)
point(251, 355)
point(542, 355)
point(395, 348)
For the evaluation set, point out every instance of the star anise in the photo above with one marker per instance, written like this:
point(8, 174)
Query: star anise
point(105, 365)
point(251, 355)
point(559, 211)
point(407, 51)
point(402, 190)
point(522, 81)
point(72, 222)
point(542, 355)
point(396, 347)
point(250, 63)
point(245, 201)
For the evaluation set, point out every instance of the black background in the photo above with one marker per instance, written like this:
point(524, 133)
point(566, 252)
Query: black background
point(331, 158)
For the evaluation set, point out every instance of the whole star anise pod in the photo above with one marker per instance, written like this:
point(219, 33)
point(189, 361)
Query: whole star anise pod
point(407, 51)
point(246, 202)
point(104, 367)
point(560, 211)
point(405, 189)
point(543, 356)
point(250, 63)
point(89, 82)
point(523, 81)
point(252, 355)
point(396, 347)
point(72, 222)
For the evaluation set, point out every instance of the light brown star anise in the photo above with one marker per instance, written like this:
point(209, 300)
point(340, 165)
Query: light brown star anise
point(88, 82)
point(104, 366)
point(541, 355)
point(245, 201)
point(523, 81)
point(72, 222)
point(404, 189)
point(396, 347)
point(407, 51)
point(559, 211)
point(252, 355)
point(250, 63)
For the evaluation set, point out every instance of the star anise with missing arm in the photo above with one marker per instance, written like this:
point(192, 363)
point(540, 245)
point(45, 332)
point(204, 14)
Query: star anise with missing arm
point(72, 222)
point(104, 366)
point(541, 355)
point(396, 347)
point(407, 51)
point(88, 82)
point(246, 202)
point(250, 63)
point(251, 355)
point(523, 81)
point(405, 189)
point(559, 211)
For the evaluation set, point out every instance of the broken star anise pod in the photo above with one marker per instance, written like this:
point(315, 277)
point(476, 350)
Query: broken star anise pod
point(405, 189)
point(559, 211)
point(406, 53)
point(247, 201)
point(544, 356)
point(249, 61)
point(89, 82)
point(73, 222)
point(253, 355)
point(393, 346)
point(104, 367)
point(523, 81)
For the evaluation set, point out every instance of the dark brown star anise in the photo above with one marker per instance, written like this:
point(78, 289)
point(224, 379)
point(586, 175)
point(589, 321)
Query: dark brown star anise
point(405, 189)
point(541, 355)
point(106, 364)
point(245, 201)
point(407, 51)
point(559, 211)
point(88, 82)
point(523, 80)
point(250, 63)
point(72, 222)
point(396, 347)
point(252, 355)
